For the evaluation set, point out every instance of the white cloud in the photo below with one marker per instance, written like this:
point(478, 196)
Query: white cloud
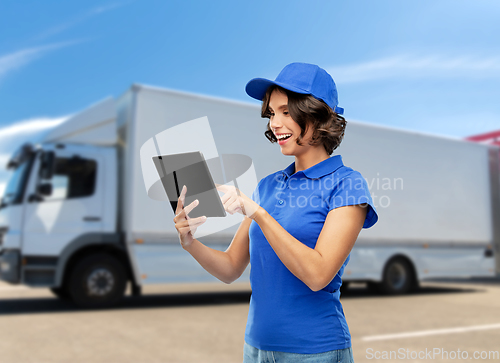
point(104, 8)
point(11, 62)
point(79, 19)
point(25, 128)
point(13, 136)
point(31, 130)
point(456, 126)
point(411, 66)
point(2, 188)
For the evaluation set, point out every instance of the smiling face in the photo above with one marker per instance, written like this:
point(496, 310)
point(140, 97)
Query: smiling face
point(281, 123)
point(315, 129)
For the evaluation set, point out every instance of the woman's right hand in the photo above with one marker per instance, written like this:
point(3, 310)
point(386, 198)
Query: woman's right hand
point(186, 226)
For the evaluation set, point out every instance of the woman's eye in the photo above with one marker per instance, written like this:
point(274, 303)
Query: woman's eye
point(285, 113)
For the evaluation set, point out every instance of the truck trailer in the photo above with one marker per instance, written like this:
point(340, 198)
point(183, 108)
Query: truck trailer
point(76, 216)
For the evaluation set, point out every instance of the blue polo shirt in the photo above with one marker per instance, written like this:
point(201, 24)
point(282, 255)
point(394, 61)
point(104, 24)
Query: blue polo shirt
point(285, 314)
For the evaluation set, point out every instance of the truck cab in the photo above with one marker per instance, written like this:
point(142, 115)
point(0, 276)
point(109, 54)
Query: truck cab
point(58, 221)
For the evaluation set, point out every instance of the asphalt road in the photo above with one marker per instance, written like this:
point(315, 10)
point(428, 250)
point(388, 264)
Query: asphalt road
point(206, 323)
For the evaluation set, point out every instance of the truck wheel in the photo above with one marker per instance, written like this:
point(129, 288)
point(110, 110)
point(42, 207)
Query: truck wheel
point(97, 281)
point(398, 277)
point(60, 292)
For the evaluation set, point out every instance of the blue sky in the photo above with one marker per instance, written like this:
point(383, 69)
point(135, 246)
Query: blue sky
point(430, 66)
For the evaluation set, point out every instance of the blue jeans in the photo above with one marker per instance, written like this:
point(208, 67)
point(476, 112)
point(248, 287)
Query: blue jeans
point(254, 355)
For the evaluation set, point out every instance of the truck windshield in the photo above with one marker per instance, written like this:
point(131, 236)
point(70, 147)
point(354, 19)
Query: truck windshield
point(14, 190)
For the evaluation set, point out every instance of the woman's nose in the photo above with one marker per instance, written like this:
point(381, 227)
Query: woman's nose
point(275, 123)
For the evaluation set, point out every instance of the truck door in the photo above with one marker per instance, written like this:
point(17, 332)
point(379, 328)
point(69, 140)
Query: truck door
point(73, 208)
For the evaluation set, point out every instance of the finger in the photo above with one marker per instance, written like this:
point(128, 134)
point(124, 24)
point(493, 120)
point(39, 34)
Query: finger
point(222, 187)
point(184, 212)
point(193, 223)
point(180, 201)
point(197, 221)
point(183, 194)
point(185, 230)
point(228, 196)
point(233, 207)
point(237, 210)
point(227, 205)
point(190, 207)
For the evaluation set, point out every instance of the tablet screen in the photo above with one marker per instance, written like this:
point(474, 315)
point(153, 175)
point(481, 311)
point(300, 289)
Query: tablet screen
point(191, 170)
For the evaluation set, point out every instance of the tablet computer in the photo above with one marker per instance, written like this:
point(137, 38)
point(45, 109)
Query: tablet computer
point(189, 169)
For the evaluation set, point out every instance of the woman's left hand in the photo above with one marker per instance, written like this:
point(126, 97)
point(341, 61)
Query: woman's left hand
point(235, 201)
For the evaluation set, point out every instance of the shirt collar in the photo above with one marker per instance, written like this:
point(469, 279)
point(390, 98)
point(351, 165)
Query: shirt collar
point(323, 168)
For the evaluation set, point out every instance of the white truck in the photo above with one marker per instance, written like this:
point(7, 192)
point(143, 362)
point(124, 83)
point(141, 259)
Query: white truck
point(76, 217)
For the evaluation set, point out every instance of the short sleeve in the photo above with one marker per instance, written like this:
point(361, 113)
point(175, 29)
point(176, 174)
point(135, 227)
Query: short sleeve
point(256, 195)
point(352, 190)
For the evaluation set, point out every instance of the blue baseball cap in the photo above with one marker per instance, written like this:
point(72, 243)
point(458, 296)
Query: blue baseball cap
point(301, 78)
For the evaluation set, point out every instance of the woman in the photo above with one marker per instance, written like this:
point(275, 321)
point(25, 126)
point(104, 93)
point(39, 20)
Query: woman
point(299, 227)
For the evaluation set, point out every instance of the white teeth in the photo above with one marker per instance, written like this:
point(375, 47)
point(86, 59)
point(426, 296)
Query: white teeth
point(279, 137)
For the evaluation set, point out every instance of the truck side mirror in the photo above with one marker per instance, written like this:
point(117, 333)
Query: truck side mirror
point(45, 189)
point(47, 165)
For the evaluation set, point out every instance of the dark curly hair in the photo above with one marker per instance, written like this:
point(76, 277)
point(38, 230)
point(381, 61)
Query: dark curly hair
point(305, 110)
